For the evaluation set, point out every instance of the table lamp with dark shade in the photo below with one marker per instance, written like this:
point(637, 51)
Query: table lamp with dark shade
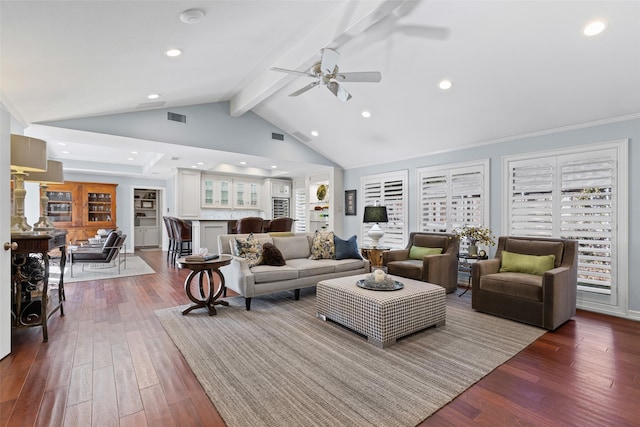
point(53, 175)
point(375, 214)
point(27, 155)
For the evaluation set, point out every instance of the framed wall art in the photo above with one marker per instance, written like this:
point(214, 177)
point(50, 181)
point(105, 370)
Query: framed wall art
point(350, 207)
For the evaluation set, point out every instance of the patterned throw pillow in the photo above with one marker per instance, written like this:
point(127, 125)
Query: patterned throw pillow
point(249, 249)
point(322, 246)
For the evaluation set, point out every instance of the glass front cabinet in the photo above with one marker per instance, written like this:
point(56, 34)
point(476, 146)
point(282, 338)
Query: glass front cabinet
point(216, 191)
point(82, 208)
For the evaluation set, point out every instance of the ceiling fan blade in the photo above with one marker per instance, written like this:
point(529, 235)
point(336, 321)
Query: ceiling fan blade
point(299, 73)
point(306, 88)
point(340, 92)
point(364, 76)
point(329, 60)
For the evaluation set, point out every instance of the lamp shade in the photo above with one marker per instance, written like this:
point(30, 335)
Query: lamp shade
point(53, 175)
point(375, 214)
point(28, 154)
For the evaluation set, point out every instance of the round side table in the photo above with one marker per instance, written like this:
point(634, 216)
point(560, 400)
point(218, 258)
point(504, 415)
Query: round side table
point(206, 289)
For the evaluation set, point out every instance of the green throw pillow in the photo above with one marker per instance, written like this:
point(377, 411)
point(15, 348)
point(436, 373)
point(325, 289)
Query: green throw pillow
point(531, 264)
point(418, 252)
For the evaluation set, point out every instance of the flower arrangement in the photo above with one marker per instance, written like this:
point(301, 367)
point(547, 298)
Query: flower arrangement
point(476, 235)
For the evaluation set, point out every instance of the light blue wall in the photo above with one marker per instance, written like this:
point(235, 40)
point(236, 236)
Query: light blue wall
point(629, 129)
point(208, 126)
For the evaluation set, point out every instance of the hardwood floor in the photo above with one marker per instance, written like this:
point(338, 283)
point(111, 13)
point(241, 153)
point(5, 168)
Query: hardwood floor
point(109, 362)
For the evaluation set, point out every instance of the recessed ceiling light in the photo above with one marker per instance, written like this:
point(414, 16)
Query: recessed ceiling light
point(129, 158)
point(154, 96)
point(194, 166)
point(173, 52)
point(594, 28)
point(65, 152)
point(62, 143)
point(201, 163)
point(243, 163)
point(445, 84)
point(366, 114)
point(314, 133)
point(134, 152)
point(274, 167)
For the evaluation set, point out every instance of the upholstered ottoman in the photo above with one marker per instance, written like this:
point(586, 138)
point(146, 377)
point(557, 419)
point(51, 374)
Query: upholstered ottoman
point(382, 316)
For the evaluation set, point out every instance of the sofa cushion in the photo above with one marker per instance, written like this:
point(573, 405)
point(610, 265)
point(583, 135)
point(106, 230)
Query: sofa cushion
point(292, 247)
point(308, 267)
point(346, 249)
point(342, 265)
point(411, 268)
point(519, 285)
point(530, 264)
point(536, 247)
point(268, 273)
point(249, 249)
point(419, 252)
point(272, 255)
point(323, 246)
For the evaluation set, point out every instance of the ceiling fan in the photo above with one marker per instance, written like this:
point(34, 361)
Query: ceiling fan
point(326, 72)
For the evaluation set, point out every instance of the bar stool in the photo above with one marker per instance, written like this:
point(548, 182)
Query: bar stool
point(183, 238)
point(171, 236)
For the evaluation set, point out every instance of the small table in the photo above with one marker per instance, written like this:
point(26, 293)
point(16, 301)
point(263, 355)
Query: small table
point(464, 266)
point(382, 316)
point(208, 293)
point(373, 254)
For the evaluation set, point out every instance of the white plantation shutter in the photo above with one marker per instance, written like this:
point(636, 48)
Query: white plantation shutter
point(387, 190)
point(575, 195)
point(588, 215)
point(531, 198)
point(300, 210)
point(452, 195)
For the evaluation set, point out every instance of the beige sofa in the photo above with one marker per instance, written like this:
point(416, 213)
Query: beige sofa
point(298, 272)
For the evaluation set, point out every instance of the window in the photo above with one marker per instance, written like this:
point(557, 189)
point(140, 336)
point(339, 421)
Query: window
point(388, 190)
point(576, 194)
point(450, 196)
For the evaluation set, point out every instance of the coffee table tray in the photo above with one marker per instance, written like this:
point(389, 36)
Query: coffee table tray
point(372, 287)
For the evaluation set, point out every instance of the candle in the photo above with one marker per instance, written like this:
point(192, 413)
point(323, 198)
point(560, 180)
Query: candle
point(378, 275)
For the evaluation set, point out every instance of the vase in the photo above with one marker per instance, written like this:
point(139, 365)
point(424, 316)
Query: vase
point(473, 250)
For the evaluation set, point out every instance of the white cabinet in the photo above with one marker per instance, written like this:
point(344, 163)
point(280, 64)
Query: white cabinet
point(278, 187)
point(187, 193)
point(146, 236)
point(246, 193)
point(216, 191)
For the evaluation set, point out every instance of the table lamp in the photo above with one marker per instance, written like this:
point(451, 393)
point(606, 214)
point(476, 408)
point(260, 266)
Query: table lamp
point(53, 175)
point(375, 214)
point(27, 155)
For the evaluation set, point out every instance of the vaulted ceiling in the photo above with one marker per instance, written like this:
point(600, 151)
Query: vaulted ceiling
point(516, 67)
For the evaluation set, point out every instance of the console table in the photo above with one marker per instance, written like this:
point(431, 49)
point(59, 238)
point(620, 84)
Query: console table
point(33, 300)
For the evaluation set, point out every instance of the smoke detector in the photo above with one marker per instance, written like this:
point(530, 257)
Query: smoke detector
point(192, 16)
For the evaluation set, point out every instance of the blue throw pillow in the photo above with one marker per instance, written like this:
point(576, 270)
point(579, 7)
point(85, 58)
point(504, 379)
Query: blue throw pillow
point(346, 249)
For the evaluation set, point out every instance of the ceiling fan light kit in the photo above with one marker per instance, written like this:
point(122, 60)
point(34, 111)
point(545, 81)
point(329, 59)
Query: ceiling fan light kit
point(326, 71)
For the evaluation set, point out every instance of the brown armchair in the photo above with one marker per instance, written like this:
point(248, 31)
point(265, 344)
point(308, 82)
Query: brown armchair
point(546, 300)
point(441, 269)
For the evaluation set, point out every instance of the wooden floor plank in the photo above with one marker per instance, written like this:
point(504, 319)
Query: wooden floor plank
point(109, 359)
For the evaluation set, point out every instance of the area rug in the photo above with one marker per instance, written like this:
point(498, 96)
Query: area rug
point(279, 365)
point(135, 267)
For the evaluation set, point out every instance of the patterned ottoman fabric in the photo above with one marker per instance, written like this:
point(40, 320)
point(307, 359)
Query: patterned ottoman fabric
point(382, 316)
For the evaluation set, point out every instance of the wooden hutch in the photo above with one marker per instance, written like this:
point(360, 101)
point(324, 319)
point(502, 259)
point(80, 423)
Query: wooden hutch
point(82, 208)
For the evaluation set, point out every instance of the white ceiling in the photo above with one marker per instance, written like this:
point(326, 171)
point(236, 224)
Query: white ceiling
point(517, 67)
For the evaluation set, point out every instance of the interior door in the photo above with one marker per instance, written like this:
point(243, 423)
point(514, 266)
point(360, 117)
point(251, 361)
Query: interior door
point(5, 234)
